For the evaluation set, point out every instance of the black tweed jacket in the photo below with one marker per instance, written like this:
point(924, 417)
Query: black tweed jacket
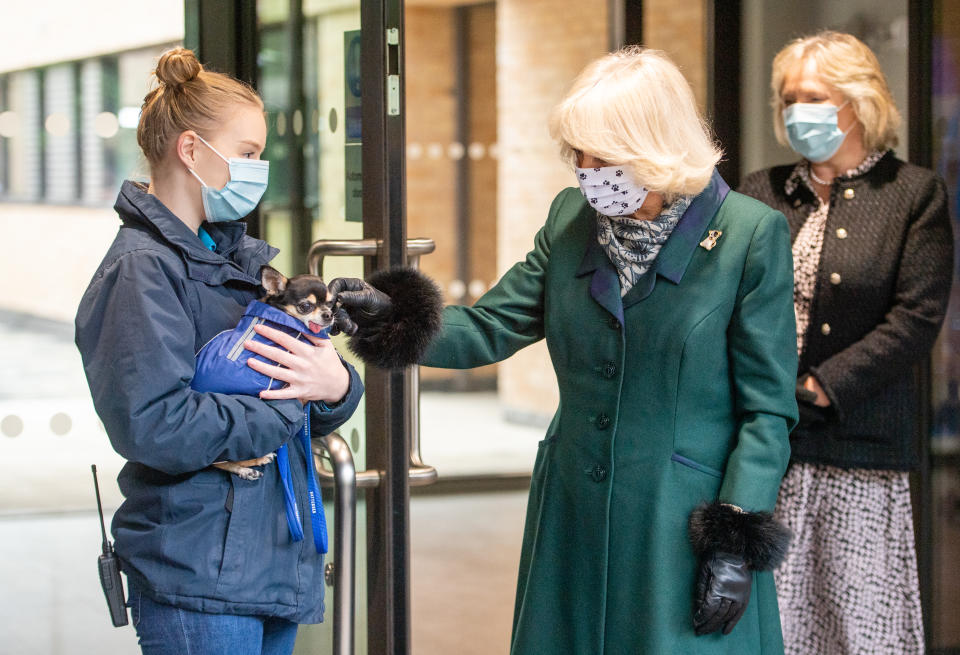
point(880, 297)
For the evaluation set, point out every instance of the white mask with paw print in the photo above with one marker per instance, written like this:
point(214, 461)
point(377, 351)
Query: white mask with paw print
point(611, 190)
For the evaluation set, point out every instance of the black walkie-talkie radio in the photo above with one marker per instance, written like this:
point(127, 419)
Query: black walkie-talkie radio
point(109, 568)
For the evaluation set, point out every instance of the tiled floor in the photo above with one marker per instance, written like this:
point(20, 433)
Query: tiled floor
point(465, 551)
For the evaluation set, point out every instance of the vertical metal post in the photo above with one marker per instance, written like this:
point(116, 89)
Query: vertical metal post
point(388, 554)
point(224, 35)
point(301, 223)
point(4, 147)
point(41, 133)
point(616, 24)
point(461, 67)
point(723, 82)
point(632, 22)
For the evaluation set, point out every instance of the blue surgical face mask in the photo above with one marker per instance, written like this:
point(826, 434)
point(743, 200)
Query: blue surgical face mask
point(812, 130)
point(238, 197)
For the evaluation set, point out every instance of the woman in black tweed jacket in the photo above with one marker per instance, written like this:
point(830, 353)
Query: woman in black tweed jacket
point(873, 261)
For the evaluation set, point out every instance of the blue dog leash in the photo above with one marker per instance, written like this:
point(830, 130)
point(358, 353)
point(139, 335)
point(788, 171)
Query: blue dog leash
point(317, 519)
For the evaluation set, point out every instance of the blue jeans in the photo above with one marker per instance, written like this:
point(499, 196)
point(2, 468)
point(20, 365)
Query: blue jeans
point(167, 630)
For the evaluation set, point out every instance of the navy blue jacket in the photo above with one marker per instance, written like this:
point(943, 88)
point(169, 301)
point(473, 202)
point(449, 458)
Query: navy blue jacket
point(189, 535)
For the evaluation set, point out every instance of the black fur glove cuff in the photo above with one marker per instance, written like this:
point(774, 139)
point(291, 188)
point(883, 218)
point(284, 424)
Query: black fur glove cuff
point(400, 336)
point(757, 537)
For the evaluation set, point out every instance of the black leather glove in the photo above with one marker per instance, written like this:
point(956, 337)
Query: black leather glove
point(359, 298)
point(342, 323)
point(730, 545)
point(354, 296)
point(723, 591)
point(811, 414)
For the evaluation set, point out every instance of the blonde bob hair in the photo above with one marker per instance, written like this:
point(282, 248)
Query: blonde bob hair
point(849, 66)
point(634, 108)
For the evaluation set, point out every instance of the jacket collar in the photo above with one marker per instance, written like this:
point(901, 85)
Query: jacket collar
point(262, 310)
point(236, 257)
point(800, 175)
point(671, 263)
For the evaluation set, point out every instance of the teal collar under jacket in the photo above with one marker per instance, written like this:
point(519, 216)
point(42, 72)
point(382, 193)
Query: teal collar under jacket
point(671, 263)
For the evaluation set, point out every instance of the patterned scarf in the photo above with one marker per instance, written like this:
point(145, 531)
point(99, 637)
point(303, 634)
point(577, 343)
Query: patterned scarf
point(633, 244)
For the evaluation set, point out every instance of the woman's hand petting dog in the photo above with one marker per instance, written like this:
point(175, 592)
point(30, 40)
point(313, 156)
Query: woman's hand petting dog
point(312, 372)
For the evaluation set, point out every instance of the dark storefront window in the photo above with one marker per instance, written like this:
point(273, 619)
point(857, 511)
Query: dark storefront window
point(945, 441)
point(68, 130)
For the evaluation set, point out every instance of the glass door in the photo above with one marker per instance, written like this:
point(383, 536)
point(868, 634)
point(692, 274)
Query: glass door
point(308, 72)
point(337, 178)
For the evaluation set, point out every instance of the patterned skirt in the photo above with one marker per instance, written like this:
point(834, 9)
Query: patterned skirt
point(849, 581)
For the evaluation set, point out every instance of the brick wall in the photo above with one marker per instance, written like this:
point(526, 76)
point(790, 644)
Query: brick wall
point(541, 46)
point(679, 28)
point(431, 128)
point(435, 151)
point(523, 54)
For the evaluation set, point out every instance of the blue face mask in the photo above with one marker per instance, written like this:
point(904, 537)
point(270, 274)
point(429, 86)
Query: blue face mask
point(238, 197)
point(812, 130)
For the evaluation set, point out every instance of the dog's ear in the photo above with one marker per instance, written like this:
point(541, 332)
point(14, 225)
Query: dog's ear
point(272, 280)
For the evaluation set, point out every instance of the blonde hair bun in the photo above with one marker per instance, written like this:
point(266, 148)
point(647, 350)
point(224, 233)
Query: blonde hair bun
point(187, 97)
point(177, 66)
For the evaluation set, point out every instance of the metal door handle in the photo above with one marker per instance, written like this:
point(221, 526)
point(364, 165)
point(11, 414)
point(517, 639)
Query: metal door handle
point(327, 476)
point(362, 248)
point(419, 474)
point(342, 474)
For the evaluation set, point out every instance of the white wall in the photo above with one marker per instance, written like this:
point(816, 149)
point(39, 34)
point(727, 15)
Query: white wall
point(53, 251)
point(48, 31)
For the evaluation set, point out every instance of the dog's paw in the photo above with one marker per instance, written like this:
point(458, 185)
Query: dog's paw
point(266, 459)
point(249, 474)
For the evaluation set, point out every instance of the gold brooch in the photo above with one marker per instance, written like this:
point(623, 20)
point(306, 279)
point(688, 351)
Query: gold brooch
point(711, 240)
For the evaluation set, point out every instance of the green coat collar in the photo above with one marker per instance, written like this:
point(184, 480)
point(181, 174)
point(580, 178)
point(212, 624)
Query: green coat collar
point(671, 263)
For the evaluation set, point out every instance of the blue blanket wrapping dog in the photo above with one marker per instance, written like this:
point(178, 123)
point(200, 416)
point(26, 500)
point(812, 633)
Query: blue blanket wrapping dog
point(222, 368)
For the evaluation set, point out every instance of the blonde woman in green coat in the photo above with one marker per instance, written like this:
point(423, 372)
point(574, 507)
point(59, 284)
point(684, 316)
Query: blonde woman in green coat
point(667, 304)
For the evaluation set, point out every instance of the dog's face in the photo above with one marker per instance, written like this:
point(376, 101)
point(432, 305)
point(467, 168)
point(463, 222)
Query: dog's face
point(303, 296)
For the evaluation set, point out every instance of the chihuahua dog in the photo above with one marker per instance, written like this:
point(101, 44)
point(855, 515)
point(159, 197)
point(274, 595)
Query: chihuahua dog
point(304, 297)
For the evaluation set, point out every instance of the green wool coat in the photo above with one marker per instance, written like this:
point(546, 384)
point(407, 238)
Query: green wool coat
point(680, 392)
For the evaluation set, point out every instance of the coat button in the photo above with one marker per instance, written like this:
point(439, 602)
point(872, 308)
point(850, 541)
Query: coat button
point(599, 473)
point(610, 370)
point(849, 194)
point(825, 328)
point(614, 323)
point(603, 421)
point(841, 233)
point(835, 278)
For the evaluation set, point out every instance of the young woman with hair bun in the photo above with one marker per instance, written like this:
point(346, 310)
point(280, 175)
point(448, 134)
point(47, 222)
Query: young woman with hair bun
point(210, 561)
